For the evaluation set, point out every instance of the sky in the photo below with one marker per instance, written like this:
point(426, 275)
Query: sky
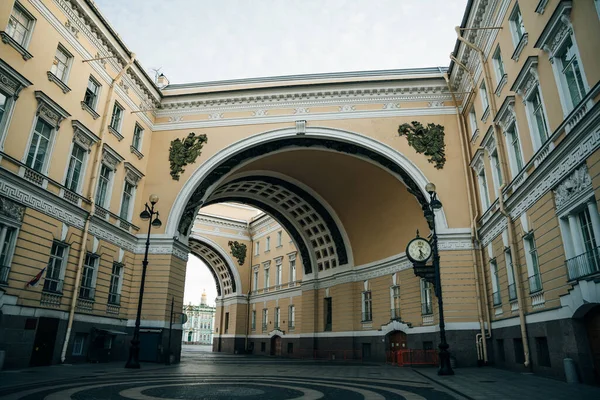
point(197, 279)
point(206, 40)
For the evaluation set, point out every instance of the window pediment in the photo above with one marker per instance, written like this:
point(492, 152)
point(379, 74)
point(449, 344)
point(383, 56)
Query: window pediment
point(49, 110)
point(527, 79)
point(489, 142)
point(477, 161)
point(11, 82)
point(110, 157)
point(132, 174)
point(572, 188)
point(506, 114)
point(557, 29)
point(83, 136)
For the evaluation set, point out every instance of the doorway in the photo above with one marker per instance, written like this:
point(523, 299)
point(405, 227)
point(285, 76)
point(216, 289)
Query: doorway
point(592, 325)
point(396, 341)
point(276, 346)
point(43, 345)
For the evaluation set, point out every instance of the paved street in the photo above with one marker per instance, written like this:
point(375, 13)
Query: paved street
point(204, 375)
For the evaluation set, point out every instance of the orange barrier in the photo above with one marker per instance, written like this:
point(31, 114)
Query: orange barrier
point(333, 355)
point(410, 357)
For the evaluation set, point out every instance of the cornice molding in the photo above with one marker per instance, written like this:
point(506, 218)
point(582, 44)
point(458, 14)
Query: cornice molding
point(211, 220)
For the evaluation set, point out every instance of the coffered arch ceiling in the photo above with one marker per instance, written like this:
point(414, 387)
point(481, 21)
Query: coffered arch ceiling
point(222, 268)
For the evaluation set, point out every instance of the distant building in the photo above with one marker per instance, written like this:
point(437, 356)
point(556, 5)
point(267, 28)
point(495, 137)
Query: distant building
point(199, 326)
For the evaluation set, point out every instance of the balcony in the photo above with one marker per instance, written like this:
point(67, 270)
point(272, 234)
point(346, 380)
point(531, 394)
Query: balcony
point(497, 298)
point(395, 314)
point(584, 265)
point(535, 283)
point(426, 309)
point(512, 291)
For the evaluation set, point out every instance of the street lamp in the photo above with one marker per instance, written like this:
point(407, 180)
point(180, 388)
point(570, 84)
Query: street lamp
point(152, 217)
point(435, 204)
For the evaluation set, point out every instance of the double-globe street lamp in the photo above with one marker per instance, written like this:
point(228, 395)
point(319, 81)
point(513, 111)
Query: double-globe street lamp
point(152, 217)
point(435, 204)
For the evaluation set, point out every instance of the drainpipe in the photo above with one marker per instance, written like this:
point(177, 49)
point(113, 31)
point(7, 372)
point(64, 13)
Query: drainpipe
point(474, 239)
point(91, 197)
point(504, 166)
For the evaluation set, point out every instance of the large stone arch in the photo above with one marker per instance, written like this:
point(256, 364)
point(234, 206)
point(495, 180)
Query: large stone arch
point(220, 264)
point(212, 173)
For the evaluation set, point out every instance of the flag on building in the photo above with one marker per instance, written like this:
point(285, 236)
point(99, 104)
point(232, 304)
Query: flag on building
point(35, 280)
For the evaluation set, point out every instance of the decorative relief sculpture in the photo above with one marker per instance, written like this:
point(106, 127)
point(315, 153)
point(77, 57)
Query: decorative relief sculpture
point(12, 210)
point(426, 140)
point(578, 182)
point(184, 152)
point(238, 250)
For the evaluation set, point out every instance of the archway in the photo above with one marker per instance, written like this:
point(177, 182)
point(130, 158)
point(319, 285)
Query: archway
point(276, 345)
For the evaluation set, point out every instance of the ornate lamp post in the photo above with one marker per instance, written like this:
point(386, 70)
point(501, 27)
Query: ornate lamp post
point(435, 204)
point(152, 217)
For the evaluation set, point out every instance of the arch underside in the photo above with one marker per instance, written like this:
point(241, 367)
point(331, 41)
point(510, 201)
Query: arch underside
point(308, 222)
point(218, 266)
point(198, 198)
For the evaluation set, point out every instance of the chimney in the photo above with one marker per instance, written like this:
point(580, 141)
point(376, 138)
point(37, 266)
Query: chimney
point(162, 81)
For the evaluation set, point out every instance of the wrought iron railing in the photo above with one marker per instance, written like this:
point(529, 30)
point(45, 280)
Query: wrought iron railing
point(535, 283)
point(53, 285)
point(585, 264)
point(512, 291)
point(426, 309)
point(497, 298)
point(395, 313)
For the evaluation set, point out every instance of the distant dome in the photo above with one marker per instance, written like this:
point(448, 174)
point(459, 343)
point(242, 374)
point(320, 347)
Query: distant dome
point(203, 298)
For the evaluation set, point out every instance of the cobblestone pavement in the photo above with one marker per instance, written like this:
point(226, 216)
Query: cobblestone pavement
point(208, 376)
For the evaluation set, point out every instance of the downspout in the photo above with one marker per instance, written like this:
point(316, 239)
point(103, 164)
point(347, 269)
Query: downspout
point(509, 222)
point(91, 197)
point(248, 322)
point(474, 239)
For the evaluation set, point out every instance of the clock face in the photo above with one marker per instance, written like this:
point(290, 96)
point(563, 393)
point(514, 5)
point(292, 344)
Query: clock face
point(419, 250)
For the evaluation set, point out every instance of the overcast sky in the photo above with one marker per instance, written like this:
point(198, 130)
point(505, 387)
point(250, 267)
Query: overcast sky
point(197, 279)
point(205, 40)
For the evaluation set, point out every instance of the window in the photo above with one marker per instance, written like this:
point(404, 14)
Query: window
point(329, 314)
point(127, 201)
point(277, 318)
point(114, 295)
point(512, 290)
point(514, 150)
point(267, 281)
point(498, 66)
point(517, 28)
point(495, 283)
point(20, 25)
point(104, 180)
point(268, 244)
point(426, 304)
point(367, 306)
point(5, 106)
point(75, 168)
point(137, 137)
point(55, 268)
point(39, 147)
point(293, 270)
point(226, 322)
point(256, 248)
point(292, 317)
point(265, 319)
point(279, 238)
point(61, 64)
point(484, 100)
point(543, 354)
point(253, 320)
point(580, 235)
point(88, 277)
point(533, 268)
point(395, 302)
point(483, 190)
point(537, 118)
point(78, 344)
point(278, 278)
point(92, 91)
point(117, 117)
point(570, 74)
point(496, 171)
point(255, 281)
point(597, 3)
point(473, 123)
point(7, 243)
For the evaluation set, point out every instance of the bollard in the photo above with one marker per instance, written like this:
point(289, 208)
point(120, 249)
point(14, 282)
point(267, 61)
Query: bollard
point(570, 370)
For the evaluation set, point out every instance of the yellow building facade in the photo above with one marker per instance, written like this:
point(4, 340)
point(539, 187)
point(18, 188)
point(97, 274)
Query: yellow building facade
point(86, 136)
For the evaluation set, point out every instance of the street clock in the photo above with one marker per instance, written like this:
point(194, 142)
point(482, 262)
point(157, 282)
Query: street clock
point(418, 250)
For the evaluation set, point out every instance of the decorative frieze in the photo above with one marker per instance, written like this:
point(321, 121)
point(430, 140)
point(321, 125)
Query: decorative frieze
point(10, 209)
point(575, 185)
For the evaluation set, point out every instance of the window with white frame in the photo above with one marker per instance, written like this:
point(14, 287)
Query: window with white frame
point(496, 170)
point(473, 123)
point(256, 248)
point(265, 319)
point(279, 238)
point(514, 149)
point(104, 184)
point(533, 267)
point(278, 277)
point(572, 82)
point(116, 278)
point(92, 92)
point(537, 118)
point(395, 292)
point(8, 236)
point(277, 317)
point(367, 306)
point(268, 244)
point(328, 312)
point(61, 64)
point(292, 270)
point(426, 298)
point(498, 65)
point(88, 277)
point(78, 344)
point(497, 299)
point(5, 107)
point(253, 320)
point(20, 25)
point(255, 281)
point(512, 290)
point(517, 28)
point(483, 189)
point(292, 317)
point(39, 147)
point(267, 280)
point(117, 117)
point(127, 201)
point(55, 270)
point(484, 99)
point(137, 137)
point(597, 3)
point(75, 169)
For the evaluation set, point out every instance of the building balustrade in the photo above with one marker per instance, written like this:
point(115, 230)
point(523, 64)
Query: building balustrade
point(276, 287)
point(584, 265)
